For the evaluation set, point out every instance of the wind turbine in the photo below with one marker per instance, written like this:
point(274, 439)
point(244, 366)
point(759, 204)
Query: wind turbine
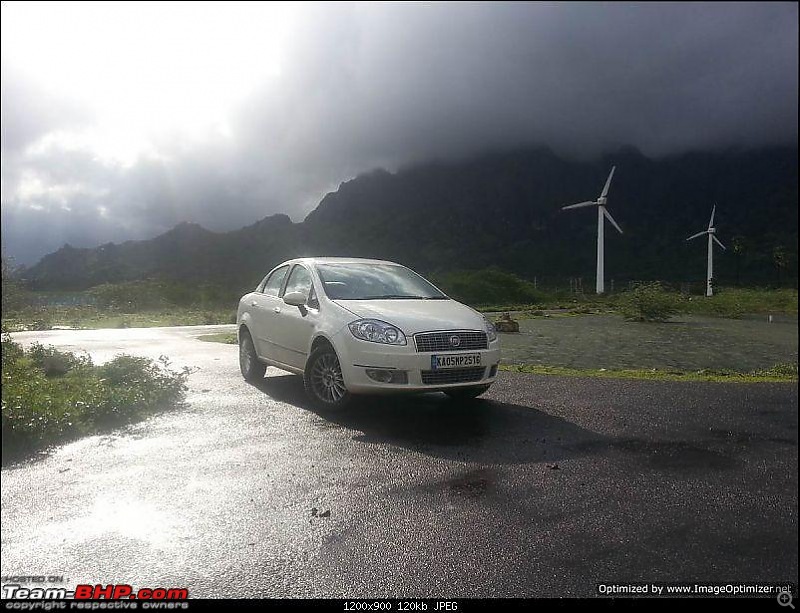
point(600, 203)
point(711, 240)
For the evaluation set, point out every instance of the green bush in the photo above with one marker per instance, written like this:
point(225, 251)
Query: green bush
point(138, 386)
point(40, 409)
point(648, 302)
point(11, 351)
point(40, 324)
point(15, 297)
point(782, 369)
point(210, 318)
point(53, 362)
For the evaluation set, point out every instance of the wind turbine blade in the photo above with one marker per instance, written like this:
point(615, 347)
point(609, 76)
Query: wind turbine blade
point(579, 205)
point(703, 233)
point(711, 221)
point(608, 182)
point(716, 240)
point(611, 219)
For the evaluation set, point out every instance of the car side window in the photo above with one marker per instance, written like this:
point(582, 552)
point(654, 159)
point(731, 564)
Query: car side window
point(273, 285)
point(299, 281)
point(313, 301)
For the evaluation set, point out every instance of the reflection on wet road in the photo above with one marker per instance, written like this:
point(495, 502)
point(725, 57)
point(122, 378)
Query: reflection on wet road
point(545, 488)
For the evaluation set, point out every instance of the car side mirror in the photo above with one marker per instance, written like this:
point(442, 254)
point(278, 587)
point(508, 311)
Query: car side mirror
point(297, 299)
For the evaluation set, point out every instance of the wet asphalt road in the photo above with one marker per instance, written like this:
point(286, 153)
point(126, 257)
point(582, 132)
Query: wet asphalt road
point(545, 488)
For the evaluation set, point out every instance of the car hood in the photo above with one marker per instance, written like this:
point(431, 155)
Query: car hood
point(413, 316)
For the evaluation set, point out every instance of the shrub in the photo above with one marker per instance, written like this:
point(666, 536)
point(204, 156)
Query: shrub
point(11, 350)
point(40, 324)
point(54, 362)
point(210, 318)
point(648, 302)
point(15, 297)
point(782, 369)
point(40, 409)
point(137, 387)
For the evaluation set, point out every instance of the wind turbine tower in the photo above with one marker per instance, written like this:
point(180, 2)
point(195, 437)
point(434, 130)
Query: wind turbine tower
point(711, 231)
point(602, 212)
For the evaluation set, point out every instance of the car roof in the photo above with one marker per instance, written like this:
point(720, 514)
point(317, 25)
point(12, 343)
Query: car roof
point(338, 260)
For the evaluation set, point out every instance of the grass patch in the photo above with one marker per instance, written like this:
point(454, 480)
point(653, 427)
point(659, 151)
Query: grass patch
point(130, 304)
point(728, 302)
point(137, 304)
point(735, 302)
point(228, 338)
point(643, 301)
point(50, 396)
point(780, 373)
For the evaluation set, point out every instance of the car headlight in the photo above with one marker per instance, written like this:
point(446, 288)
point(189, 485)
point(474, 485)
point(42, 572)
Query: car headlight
point(377, 331)
point(491, 331)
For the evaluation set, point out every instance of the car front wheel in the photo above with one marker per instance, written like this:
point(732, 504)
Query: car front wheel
point(323, 380)
point(252, 369)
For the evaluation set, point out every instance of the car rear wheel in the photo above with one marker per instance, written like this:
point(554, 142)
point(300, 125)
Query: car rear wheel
point(323, 380)
point(467, 393)
point(252, 369)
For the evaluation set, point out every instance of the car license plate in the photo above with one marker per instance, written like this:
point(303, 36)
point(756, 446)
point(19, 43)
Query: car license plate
point(457, 360)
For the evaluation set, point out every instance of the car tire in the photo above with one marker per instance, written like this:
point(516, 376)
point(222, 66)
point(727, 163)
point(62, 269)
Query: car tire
point(252, 368)
point(466, 393)
point(323, 380)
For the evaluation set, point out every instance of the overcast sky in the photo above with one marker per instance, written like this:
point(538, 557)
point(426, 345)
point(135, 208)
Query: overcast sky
point(119, 121)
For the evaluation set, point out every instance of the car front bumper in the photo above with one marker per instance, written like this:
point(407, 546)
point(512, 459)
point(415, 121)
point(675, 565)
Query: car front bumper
point(356, 357)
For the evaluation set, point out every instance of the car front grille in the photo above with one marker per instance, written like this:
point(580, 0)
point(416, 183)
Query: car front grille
point(452, 375)
point(451, 340)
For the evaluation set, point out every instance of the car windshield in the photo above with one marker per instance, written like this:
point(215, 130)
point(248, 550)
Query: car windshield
point(356, 281)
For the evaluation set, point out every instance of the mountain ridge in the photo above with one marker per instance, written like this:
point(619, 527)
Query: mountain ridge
point(496, 209)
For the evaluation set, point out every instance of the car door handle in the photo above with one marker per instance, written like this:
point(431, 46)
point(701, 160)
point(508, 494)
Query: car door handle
point(254, 303)
point(276, 309)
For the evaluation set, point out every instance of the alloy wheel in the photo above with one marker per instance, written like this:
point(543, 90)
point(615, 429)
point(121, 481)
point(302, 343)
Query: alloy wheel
point(327, 382)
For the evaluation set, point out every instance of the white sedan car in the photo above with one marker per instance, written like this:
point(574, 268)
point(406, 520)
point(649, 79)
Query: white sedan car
point(356, 326)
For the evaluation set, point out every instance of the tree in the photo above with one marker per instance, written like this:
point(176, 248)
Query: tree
point(13, 293)
point(738, 248)
point(780, 260)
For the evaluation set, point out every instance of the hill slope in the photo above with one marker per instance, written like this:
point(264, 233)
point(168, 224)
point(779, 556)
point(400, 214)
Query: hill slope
point(500, 209)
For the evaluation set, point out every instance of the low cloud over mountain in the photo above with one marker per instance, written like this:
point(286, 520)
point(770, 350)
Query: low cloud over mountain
point(119, 122)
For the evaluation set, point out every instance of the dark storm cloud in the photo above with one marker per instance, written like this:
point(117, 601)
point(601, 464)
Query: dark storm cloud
point(441, 79)
point(390, 85)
